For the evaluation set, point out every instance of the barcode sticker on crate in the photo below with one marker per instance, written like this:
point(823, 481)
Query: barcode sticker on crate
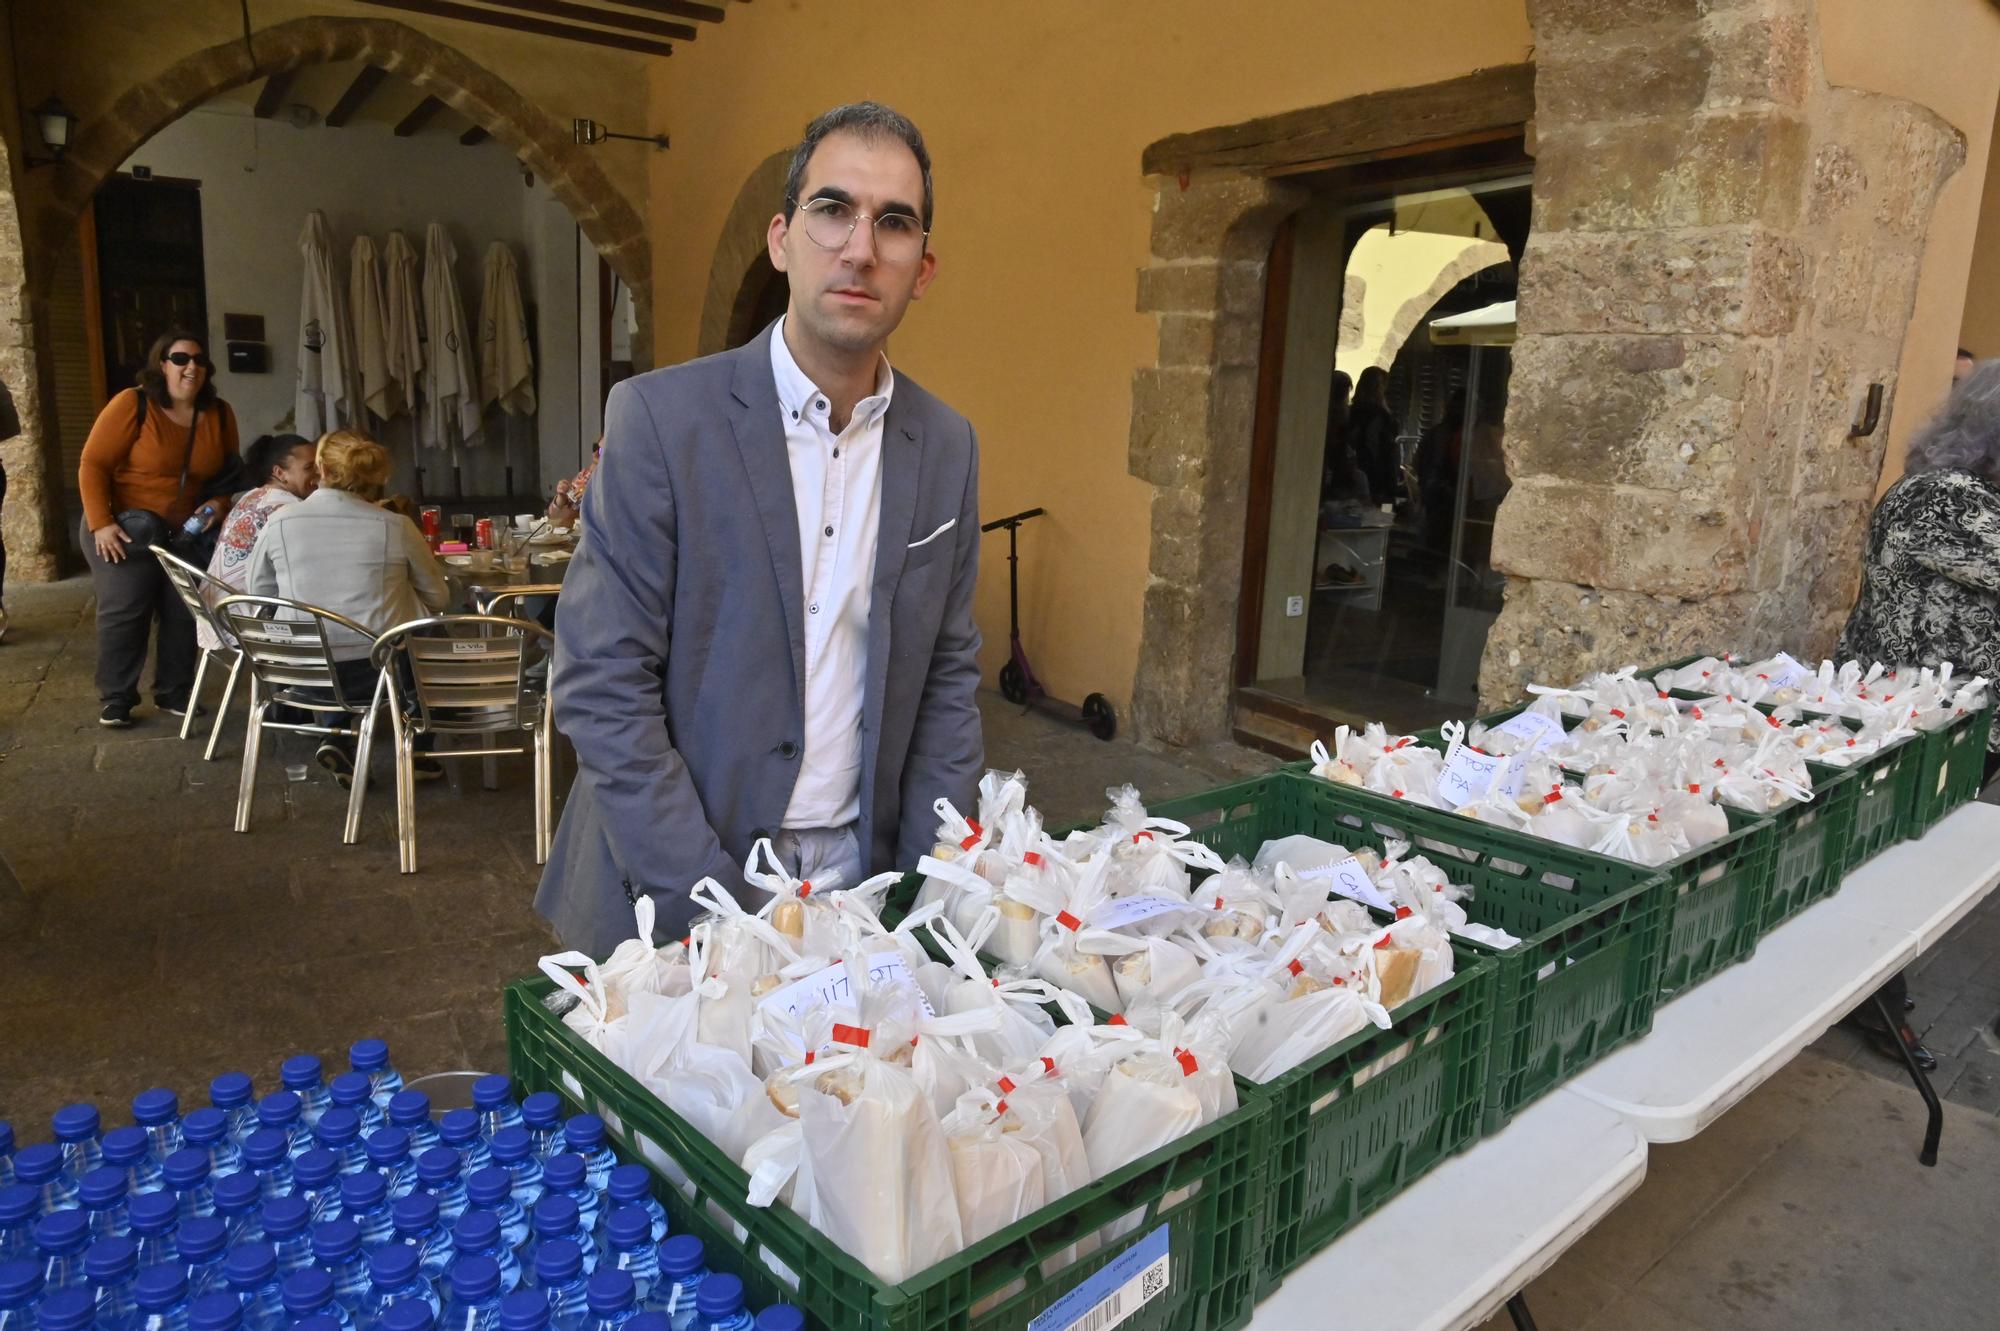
point(1125, 1284)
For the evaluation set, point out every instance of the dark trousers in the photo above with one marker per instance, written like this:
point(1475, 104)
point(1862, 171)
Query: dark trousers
point(131, 597)
point(357, 681)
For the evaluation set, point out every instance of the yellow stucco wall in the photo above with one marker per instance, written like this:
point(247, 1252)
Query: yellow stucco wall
point(1036, 114)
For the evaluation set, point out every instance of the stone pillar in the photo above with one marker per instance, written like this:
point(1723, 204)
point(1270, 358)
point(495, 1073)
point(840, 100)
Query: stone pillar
point(1723, 259)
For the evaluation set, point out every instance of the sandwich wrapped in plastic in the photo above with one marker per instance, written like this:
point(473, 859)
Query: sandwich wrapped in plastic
point(1157, 1092)
point(1023, 1025)
point(582, 1001)
point(996, 1174)
point(640, 966)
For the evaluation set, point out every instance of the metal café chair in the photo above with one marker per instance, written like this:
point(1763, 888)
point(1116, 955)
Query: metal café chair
point(201, 594)
point(467, 675)
point(292, 663)
point(507, 600)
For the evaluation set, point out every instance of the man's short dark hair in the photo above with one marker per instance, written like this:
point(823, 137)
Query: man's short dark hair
point(1963, 354)
point(267, 454)
point(870, 120)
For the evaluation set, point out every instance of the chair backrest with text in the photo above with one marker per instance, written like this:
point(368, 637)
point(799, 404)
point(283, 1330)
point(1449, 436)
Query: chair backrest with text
point(287, 646)
point(467, 674)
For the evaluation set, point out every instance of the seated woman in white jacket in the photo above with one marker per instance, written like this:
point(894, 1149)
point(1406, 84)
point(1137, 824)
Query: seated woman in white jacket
point(339, 550)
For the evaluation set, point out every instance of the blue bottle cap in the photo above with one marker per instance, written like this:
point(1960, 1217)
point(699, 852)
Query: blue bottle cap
point(112, 1258)
point(584, 1132)
point(542, 1109)
point(719, 1296)
point(394, 1264)
point(102, 1187)
point(387, 1146)
point(158, 1105)
point(362, 1190)
point(186, 1168)
point(564, 1173)
point(250, 1265)
point(266, 1148)
point(154, 1213)
point(781, 1317)
point(475, 1231)
point(557, 1262)
point(409, 1108)
point(77, 1122)
point(555, 1216)
point(336, 1240)
point(415, 1213)
point(205, 1127)
point(279, 1109)
point(368, 1055)
point(18, 1204)
point(630, 1183)
point(62, 1232)
point(337, 1127)
point(648, 1322)
point(202, 1237)
point(487, 1187)
point(215, 1311)
point(285, 1216)
point(37, 1164)
point(492, 1092)
point(306, 1291)
point(230, 1090)
point(350, 1089)
point(300, 1072)
point(19, 1282)
point(315, 1168)
point(524, 1310)
point(407, 1315)
point(611, 1291)
point(239, 1193)
point(472, 1278)
point(629, 1227)
point(458, 1126)
point(511, 1145)
point(125, 1147)
point(438, 1165)
point(682, 1255)
point(69, 1309)
point(160, 1287)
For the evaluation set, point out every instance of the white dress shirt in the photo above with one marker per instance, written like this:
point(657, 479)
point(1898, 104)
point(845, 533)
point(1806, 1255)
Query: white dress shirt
point(837, 488)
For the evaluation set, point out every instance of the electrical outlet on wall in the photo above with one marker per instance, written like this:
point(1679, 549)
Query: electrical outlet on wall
point(1294, 606)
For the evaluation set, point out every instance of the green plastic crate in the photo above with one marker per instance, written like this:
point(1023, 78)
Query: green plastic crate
point(1885, 795)
point(1950, 765)
point(1813, 840)
point(1203, 1190)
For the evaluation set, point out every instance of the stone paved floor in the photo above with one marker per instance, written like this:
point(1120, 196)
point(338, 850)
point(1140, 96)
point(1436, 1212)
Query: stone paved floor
point(143, 942)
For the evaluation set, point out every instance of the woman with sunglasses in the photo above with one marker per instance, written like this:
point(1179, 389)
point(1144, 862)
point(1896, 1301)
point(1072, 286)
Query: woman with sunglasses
point(153, 451)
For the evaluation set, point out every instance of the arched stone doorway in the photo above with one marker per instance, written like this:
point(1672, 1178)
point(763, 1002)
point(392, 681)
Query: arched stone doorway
point(737, 284)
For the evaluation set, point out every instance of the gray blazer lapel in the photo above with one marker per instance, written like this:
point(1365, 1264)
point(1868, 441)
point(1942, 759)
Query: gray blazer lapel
point(902, 474)
point(760, 440)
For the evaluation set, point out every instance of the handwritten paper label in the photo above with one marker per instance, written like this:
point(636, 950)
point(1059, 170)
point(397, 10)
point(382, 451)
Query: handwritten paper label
point(830, 986)
point(1787, 673)
point(1347, 878)
point(1471, 775)
point(1128, 911)
point(1534, 730)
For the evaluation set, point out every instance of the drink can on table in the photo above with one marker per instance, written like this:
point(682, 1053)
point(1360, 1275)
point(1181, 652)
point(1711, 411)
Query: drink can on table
point(483, 534)
point(433, 520)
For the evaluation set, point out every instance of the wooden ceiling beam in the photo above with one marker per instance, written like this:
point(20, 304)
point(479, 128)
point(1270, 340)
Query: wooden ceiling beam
point(272, 98)
point(364, 86)
point(473, 137)
point(608, 18)
point(420, 115)
point(520, 23)
point(684, 9)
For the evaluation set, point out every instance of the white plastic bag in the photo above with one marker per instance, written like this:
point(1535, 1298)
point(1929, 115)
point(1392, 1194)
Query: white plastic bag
point(997, 1176)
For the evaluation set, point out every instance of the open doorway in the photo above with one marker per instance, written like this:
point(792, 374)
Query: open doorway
point(1369, 586)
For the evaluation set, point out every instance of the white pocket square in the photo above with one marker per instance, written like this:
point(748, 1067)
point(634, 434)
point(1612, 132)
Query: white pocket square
point(934, 535)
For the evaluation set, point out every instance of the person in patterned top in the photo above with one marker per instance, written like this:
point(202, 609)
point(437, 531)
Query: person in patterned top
point(282, 465)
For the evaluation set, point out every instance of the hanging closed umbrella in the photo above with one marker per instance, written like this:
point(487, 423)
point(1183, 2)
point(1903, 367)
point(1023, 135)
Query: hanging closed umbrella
point(506, 365)
point(450, 377)
point(325, 396)
point(403, 322)
point(369, 310)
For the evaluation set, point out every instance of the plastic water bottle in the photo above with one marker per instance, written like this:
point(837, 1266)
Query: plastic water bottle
point(719, 1306)
point(438, 1175)
point(478, 1235)
point(300, 1074)
point(632, 1185)
point(62, 1237)
point(20, 1206)
point(160, 1296)
point(236, 1096)
point(336, 1250)
point(186, 1173)
point(317, 1322)
point(491, 1190)
point(493, 1098)
point(541, 1114)
point(411, 1111)
point(649, 1321)
point(781, 1317)
point(393, 1275)
point(371, 1057)
point(252, 1272)
point(612, 1301)
point(408, 1315)
point(364, 1199)
point(238, 1198)
point(103, 1195)
point(204, 1243)
point(584, 1135)
point(524, 1310)
point(316, 1178)
point(683, 1271)
point(560, 1279)
point(268, 1155)
point(351, 1090)
point(388, 1150)
point(77, 1129)
point(417, 1225)
point(339, 1131)
point(208, 1130)
point(6, 1152)
point(157, 1112)
point(284, 1111)
point(154, 1217)
point(512, 1152)
point(554, 1219)
point(41, 1167)
point(474, 1301)
point(130, 1151)
point(20, 1291)
point(216, 1310)
point(459, 1129)
point(287, 1225)
point(309, 1293)
point(567, 1176)
point(629, 1247)
point(66, 1309)
point(110, 1264)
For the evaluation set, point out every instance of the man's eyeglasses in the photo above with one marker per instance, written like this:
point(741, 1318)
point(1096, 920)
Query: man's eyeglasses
point(899, 237)
point(182, 358)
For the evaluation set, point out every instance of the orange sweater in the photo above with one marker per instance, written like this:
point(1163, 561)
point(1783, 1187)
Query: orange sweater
point(126, 465)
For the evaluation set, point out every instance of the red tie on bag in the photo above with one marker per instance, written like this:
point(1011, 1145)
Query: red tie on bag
point(854, 1035)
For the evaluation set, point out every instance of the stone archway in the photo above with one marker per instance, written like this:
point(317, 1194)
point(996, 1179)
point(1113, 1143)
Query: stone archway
point(734, 279)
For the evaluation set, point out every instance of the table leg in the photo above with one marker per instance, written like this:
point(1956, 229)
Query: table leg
point(1517, 1308)
point(1934, 1128)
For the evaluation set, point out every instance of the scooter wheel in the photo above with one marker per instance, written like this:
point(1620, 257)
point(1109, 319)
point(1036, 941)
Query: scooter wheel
point(1099, 716)
point(1012, 687)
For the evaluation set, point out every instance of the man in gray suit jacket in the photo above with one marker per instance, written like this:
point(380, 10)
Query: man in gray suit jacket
point(767, 629)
